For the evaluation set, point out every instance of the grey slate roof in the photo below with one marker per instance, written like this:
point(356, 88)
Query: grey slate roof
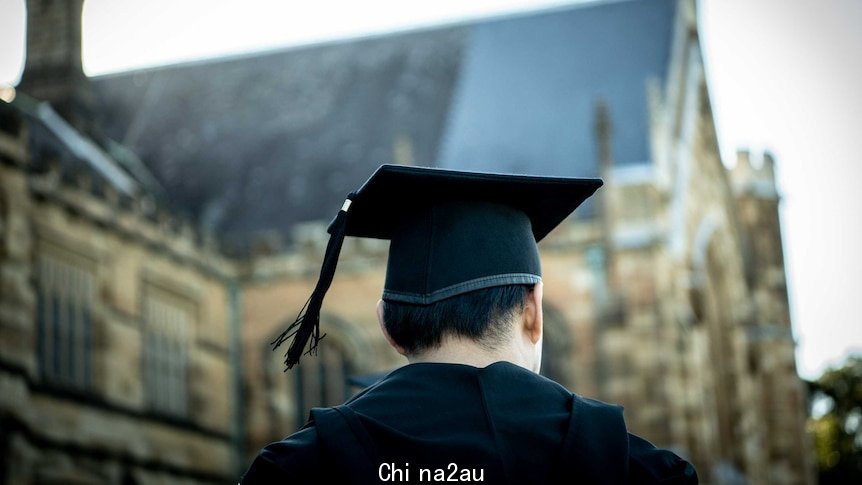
point(249, 146)
point(527, 96)
point(252, 145)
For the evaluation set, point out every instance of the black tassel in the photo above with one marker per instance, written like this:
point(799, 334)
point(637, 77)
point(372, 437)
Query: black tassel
point(307, 323)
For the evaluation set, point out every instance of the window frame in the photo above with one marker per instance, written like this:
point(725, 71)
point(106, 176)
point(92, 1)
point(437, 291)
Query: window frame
point(169, 315)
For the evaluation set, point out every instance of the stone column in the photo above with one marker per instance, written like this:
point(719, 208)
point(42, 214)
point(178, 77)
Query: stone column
point(53, 70)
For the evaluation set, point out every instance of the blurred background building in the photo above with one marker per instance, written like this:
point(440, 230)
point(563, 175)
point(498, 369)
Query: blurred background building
point(159, 228)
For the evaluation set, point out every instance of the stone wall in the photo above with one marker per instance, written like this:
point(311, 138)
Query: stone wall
point(101, 426)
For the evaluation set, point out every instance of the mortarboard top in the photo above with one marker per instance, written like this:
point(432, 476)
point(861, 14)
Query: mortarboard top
point(450, 232)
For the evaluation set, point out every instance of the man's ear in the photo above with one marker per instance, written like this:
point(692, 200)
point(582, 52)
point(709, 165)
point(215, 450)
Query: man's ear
point(533, 319)
point(389, 339)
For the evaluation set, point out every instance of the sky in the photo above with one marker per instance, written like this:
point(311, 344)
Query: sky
point(783, 75)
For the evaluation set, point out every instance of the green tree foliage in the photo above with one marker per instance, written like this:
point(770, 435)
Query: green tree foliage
point(836, 422)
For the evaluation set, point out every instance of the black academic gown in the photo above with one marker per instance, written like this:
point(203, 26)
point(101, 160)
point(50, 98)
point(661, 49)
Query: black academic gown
point(501, 423)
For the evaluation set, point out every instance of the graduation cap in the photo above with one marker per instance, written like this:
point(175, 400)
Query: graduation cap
point(450, 232)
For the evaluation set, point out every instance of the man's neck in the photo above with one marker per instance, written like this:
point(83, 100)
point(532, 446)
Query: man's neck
point(455, 350)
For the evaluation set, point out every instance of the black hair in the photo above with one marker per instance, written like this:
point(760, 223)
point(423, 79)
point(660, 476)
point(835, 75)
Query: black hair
point(481, 315)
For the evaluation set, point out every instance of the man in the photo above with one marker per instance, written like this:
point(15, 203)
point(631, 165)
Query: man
point(463, 303)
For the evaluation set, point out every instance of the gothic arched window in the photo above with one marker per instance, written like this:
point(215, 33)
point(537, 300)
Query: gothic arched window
point(321, 380)
point(66, 288)
point(168, 326)
point(558, 347)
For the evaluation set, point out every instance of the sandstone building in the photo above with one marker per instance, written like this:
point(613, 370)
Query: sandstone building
point(160, 227)
point(117, 349)
point(118, 330)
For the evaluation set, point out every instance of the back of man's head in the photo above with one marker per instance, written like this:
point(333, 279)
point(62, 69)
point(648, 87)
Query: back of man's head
point(483, 316)
point(462, 249)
